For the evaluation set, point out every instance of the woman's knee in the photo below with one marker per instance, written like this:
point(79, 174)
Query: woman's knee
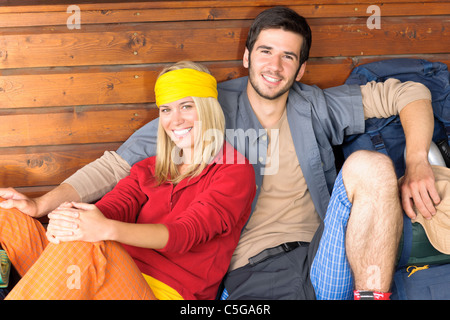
point(13, 220)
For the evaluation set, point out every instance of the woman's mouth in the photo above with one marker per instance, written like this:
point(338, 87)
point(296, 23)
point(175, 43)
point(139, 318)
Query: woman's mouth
point(181, 133)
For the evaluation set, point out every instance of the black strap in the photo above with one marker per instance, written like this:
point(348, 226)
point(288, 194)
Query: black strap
point(378, 143)
point(271, 252)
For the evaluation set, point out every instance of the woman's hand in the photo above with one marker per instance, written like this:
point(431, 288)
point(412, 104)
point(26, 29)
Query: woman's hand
point(77, 222)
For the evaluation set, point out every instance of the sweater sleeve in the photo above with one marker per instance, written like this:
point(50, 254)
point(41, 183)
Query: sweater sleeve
point(388, 98)
point(125, 201)
point(99, 177)
point(224, 206)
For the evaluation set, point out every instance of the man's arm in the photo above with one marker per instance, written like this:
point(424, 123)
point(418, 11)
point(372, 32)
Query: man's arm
point(88, 184)
point(418, 184)
point(97, 178)
point(40, 206)
point(412, 101)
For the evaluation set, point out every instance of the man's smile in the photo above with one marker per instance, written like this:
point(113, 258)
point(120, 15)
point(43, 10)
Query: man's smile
point(271, 79)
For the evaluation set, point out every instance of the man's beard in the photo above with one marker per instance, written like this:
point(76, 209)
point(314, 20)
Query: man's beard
point(260, 92)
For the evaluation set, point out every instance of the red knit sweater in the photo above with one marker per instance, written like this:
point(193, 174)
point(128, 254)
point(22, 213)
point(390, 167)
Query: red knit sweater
point(204, 216)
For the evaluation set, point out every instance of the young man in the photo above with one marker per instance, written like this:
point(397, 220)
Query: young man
point(303, 241)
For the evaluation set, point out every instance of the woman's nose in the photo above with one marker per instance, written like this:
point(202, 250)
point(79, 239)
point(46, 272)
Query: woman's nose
point(177, 117)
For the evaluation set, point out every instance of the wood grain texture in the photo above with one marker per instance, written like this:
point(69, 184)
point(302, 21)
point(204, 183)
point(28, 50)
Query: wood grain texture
point(174, 41)
point(44, 166)
point(73, 126)
point(133, 13)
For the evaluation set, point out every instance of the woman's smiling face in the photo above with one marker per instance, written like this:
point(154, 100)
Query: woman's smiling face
point(178, 119)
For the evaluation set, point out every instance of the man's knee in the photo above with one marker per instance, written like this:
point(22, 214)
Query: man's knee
point(368, 170)
point(372, 188)
point(368, 163)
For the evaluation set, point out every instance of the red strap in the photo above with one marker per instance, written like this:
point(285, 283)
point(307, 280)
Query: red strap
point(371, 295)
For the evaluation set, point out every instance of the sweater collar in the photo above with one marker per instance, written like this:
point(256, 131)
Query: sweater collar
point(225, 155)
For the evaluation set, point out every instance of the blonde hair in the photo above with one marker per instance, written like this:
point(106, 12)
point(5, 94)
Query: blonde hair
point(212, 125)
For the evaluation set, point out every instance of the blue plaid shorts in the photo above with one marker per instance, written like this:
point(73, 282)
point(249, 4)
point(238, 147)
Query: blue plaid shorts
point(330, 272)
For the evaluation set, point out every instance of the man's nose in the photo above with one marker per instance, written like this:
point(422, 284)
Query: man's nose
point(275, 63)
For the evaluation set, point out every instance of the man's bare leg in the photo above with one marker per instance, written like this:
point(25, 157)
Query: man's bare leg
point(375, 223)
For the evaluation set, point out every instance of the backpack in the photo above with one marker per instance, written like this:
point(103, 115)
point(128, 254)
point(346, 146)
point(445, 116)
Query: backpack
point(386, 135)
point(431, 278)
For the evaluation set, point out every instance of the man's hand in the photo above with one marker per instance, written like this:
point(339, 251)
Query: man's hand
point(14, 199)
point(418, 189)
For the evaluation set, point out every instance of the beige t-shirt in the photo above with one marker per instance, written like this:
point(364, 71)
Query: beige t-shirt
point(284, 211)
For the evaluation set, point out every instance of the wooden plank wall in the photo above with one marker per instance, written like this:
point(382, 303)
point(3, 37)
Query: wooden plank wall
point(68, 94)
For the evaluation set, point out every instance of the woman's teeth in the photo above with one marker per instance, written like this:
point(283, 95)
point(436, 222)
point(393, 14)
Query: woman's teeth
point(182, 132)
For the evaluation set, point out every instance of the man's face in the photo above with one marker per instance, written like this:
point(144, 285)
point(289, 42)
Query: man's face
point(274, 63)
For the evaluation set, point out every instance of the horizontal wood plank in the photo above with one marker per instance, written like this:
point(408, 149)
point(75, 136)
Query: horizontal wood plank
point(7, 6)
point(73, 126)
point(106, 45)
point(22, 88)
point(418, 35)
point(76, 88)
point(43, 166)
point(169, 42)
point(249, 11)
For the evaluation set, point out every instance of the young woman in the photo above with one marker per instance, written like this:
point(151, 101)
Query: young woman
point(167, 231)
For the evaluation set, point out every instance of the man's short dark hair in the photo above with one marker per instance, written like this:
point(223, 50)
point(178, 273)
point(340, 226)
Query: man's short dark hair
point(281, 18)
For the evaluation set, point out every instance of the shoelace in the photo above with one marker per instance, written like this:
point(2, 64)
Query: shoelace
point(415, 269)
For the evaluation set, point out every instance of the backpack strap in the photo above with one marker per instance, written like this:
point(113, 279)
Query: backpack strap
point(447, 130)
point(398, 286)
point(378, 142)
point(407, 242)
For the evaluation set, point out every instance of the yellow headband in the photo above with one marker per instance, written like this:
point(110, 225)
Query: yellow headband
point(178, 84)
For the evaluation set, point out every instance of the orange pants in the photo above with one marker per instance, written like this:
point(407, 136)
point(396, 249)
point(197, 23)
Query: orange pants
point(70, 270)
